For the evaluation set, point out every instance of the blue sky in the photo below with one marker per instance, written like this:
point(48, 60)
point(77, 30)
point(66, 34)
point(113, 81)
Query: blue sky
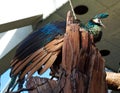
point(5, 79)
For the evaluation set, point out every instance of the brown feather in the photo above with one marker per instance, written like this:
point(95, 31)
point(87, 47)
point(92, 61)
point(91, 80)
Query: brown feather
point(13, 62)
point(33, 64)
point(17, 65)
point(49, 62)
point(55, 45)
point(39, 65)
point(17, 68)
point(17, 62)
point(44, 56)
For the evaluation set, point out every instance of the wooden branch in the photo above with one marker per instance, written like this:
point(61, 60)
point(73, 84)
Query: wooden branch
point(113, 80)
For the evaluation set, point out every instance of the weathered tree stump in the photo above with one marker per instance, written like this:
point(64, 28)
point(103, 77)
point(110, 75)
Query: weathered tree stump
point(82, 67)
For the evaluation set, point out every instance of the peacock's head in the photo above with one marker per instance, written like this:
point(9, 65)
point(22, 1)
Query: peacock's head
point(97, 19)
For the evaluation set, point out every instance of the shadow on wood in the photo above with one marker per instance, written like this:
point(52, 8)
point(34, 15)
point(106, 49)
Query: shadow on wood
point(82, 67)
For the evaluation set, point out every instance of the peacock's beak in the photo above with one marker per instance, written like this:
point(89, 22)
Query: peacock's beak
point(102, 24)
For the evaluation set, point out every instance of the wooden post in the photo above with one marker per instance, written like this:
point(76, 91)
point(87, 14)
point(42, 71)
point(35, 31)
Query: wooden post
point(82, 65)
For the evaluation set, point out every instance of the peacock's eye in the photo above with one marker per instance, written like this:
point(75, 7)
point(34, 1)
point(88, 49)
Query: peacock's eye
point(99, 20)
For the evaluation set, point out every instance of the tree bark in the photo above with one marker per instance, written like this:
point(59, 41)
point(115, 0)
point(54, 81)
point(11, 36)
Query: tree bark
point(82, 65)
point(113, 80)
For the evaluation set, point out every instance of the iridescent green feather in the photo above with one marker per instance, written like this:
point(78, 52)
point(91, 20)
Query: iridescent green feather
point(101, 16)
